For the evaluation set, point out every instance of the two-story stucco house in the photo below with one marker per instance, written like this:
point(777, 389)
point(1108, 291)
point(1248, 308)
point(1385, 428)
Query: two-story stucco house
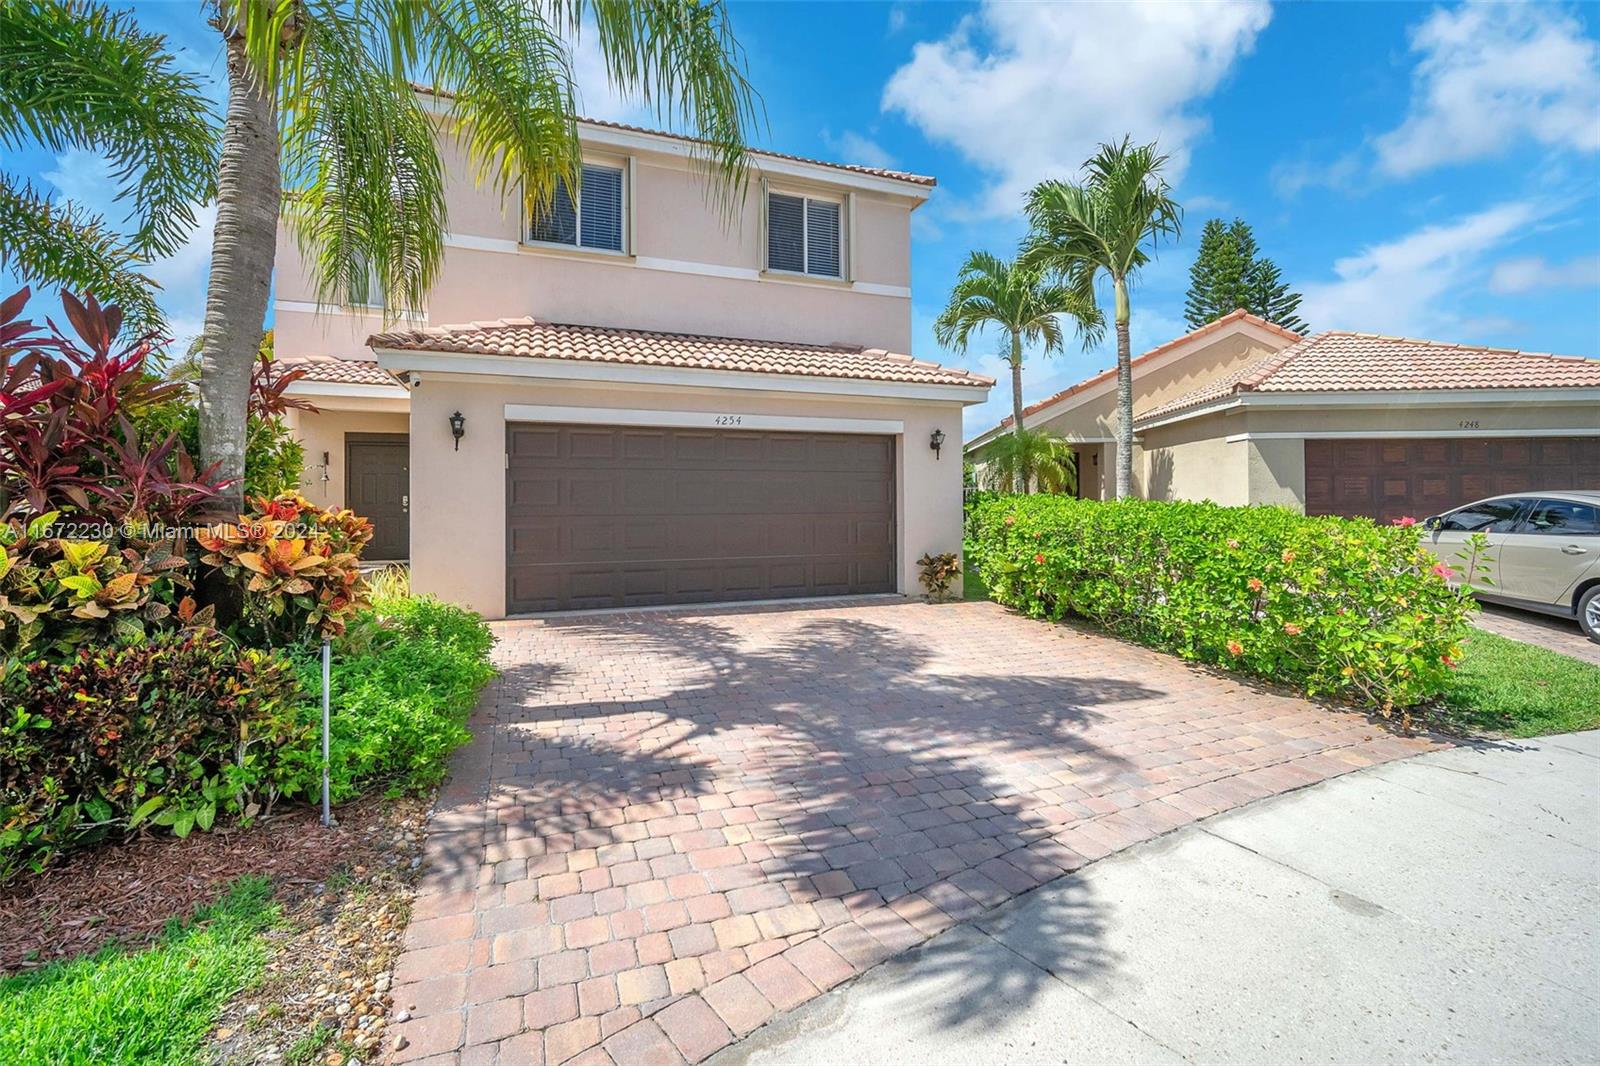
point(630, 400)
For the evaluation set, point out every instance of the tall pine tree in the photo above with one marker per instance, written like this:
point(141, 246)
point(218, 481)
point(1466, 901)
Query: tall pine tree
point(1228, 273)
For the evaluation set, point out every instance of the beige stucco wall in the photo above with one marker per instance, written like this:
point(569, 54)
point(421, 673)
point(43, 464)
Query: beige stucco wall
point(458, 497)
point(690, 268)
point(1191, 461)
point(324, 432)
point(1432, 420)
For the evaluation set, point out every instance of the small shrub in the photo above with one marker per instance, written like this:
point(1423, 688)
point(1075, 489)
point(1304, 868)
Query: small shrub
point(56, 594)
point(1340, 607)
point(299, 564)
point(937, 573)
point(176, 731)
point(404, 681)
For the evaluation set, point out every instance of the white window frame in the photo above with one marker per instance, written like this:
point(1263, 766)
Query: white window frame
point(622, 163)
point(844, 201)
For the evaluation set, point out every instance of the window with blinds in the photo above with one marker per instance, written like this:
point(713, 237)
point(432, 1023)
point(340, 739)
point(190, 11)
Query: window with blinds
point(803, 235)
point(593, 220)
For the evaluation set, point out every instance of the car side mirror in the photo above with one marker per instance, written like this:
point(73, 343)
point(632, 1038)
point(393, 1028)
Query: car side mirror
point(1434, 522)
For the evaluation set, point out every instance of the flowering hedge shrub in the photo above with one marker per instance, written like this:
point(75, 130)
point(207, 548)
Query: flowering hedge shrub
point(1340, 607)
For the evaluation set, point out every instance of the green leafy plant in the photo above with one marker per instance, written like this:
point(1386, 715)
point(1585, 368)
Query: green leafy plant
point(404, 681)
point(937, 573)
point(1340, 607)
point(56, 594)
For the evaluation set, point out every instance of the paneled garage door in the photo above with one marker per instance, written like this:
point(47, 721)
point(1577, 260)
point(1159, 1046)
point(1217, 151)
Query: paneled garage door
point(1388, 479)
point(628, 516)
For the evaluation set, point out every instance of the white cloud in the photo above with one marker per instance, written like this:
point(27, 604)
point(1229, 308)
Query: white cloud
point(1492, 76)
point(1026, 91)
point(1409, 285)
point(853, 147)
point(597, 96)
point(1290, 176)
point(1535, 272)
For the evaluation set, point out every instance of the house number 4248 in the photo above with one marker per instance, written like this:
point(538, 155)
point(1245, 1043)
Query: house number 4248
point(1469, 423)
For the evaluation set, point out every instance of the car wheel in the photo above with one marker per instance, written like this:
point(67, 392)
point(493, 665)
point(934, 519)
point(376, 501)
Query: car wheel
point(1589, 613)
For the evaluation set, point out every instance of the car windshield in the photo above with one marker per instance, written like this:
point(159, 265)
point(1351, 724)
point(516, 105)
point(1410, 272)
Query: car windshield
point(1487, 516)
point(1563, 517)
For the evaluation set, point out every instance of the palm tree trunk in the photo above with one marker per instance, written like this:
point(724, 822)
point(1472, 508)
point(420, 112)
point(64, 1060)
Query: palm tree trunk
point(1124, 393)
point(1016, 384)
point(242, 253)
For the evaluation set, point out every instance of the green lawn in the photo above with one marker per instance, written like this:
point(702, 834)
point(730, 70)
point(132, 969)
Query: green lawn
point(151, 1006)
point(973, 587)
point(1506, 686)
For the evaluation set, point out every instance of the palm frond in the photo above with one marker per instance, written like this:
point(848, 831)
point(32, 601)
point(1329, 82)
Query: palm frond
point(680, 59)
point(76, 75)
point(70, 248)
point(1014, 299)
point(1030, 460)
point(366, 186)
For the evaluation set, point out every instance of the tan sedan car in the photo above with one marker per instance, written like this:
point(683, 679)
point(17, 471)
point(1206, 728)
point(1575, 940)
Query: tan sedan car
point(1544, 551)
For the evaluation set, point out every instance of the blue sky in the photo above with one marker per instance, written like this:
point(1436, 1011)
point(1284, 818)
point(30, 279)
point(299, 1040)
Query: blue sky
point(1414, 169)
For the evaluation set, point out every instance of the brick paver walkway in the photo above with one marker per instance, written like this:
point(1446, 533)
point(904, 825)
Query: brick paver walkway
point(671, 826)
point(1558, 634)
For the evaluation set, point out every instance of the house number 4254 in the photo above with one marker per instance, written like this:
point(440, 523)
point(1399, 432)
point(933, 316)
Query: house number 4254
point(729, 420)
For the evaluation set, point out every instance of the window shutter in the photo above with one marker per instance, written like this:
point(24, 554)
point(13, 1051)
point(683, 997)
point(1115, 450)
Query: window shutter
point(557, 223)
point(822, 238)
point(601, 204)
point(786, 233)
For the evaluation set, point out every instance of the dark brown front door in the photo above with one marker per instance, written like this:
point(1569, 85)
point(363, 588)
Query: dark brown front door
point(378, 487)
point(624, 516)
point(1389, 479)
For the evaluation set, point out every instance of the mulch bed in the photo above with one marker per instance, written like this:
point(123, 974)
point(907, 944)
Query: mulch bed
point(126, 893)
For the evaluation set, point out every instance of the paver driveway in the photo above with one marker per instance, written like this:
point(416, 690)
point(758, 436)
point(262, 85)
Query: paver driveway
point(672, 825)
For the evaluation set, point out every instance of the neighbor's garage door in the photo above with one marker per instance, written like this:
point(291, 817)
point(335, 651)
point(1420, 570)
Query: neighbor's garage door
point(1388, 479)
point(624, 516)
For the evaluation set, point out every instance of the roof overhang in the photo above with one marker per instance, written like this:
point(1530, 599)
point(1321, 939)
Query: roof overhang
point(522, 368)
point(1104, 383)
point(345, 396)
point(1379, 398)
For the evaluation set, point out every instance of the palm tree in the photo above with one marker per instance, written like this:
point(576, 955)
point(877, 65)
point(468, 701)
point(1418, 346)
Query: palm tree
point(322, 102)
point(1028, 460)
point(79, 76)
point(1016, 301)
point(1105, 224)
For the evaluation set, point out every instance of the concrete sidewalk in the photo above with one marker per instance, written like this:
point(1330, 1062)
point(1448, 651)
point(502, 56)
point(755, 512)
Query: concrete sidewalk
point(1441, 909)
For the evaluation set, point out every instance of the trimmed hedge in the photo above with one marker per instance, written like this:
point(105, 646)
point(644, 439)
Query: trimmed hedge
point(1340, 607)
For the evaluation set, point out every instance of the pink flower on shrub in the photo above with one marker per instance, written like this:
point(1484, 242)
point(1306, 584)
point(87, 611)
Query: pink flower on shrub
point(1291, 629)
point(1255, 584)
point(1288, 556)
point(1452, 663)
point(1232, 543)
point(1235, 648)
point(1011, 519)
point(1039, 558)
point(1404, 520)
point(1442, 570)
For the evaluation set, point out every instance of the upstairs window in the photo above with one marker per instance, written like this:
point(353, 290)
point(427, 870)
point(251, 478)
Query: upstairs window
point(803, 235)
point(592, 220)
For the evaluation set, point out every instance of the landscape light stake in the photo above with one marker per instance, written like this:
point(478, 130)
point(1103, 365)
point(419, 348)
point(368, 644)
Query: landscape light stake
point(327, 658)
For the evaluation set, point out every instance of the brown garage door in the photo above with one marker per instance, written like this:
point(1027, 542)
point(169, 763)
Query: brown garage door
point(624, 516)
point(1388, 479)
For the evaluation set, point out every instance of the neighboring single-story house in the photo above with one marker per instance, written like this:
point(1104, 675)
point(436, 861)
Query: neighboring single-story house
point(600, 467)
point(1241, 411)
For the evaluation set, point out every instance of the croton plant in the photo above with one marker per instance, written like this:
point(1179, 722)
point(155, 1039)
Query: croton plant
point(299, 564)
